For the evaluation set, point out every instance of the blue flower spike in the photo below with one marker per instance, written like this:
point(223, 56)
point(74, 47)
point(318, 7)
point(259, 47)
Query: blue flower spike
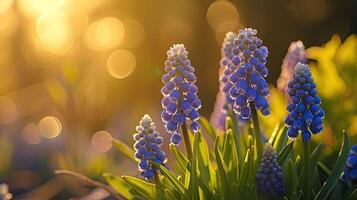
point(305, 114)
point(349, 174)
point(246, 74)
point(269, 178)
point(180, 101)
point(219, 114)
point(148, 147)
point(296, 53)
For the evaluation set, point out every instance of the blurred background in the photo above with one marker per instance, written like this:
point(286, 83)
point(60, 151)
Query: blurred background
point(76, 73)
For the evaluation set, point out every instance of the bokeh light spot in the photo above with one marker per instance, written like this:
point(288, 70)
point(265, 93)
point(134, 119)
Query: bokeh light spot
point(8, 110)
point(54, 34)
point(121, 63)
point(50, 127)
point(102, 141)
point(221, 11)
point(105, 34)
point(31, 134)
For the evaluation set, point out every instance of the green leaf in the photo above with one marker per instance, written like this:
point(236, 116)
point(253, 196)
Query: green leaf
point(337, 193)
point(123, 188)
point(209, 129)
point(181, 159)
point(283, 155)
point(222, 172)
point(148, 190)
point(230, 158)
point(203, 162)
point(125, 149)
point(324, 168)
point(246, 173)
point(353, 195)
point(291, 180)
point(172, 178)
point(336, 172)
point(274, 134)
point(208, 194)
point(281, 140)
point(193, 192)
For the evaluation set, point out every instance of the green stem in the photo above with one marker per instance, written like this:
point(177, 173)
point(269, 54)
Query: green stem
point(306, 174)
point(158, 184)
point(156, 177)
point(258, 140)
point(186, 140)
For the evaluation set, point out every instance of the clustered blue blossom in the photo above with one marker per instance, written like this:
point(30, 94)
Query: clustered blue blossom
point(269, 178)
point(219, 114)
point(148, 147)
point(246, 74)
point(305, 114)
point(180, 101)
point(296, 53)
point(349, 174)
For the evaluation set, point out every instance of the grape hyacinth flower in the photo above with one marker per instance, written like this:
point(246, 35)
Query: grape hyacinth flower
point(148, 147)
point(180, 101)
point(218, 117)
point(296, 53)
point(269, 178)
point(247, 72)
point(305, 114)
point(349, 174)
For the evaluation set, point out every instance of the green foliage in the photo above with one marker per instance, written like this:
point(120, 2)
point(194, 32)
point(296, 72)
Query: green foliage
point(225, 173)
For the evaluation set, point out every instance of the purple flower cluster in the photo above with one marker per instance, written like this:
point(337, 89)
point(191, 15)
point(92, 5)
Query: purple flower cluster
point(148, 147)
point(180, 101)
point(305, 114)
point(246, 74)
point(296, 53)
point(218, 116)
point(269, 178)
point(349, 174)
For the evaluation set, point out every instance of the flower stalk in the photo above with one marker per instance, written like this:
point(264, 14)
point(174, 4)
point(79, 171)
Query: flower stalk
point(187, 142)
point(257, 138)
point(307, 172)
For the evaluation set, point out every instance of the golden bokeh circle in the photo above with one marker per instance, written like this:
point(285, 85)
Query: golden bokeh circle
point(50, 127)
point(121, 63)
